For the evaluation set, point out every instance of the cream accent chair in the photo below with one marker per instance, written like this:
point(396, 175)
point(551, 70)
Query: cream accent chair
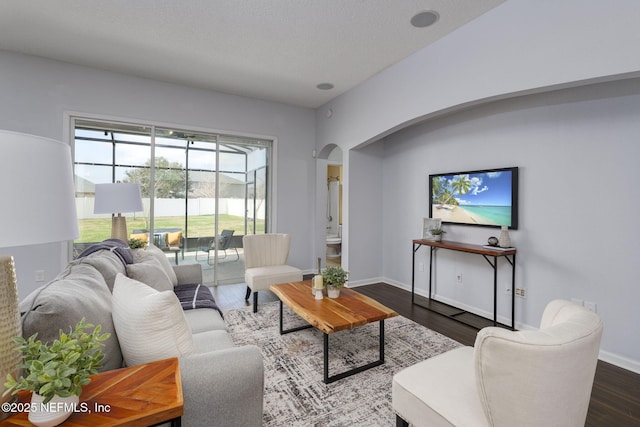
point(265, 259)
point(509, 378)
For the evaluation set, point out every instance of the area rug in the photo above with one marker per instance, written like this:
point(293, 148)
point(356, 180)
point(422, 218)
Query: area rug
point(295, 394)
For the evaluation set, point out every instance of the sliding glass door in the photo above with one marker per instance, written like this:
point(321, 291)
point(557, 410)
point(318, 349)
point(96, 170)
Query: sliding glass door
point(201, 191)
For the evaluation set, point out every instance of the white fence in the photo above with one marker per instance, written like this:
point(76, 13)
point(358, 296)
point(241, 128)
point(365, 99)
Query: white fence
point(176, 207)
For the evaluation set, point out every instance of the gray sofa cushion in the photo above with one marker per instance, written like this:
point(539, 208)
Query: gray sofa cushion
point(204, 319)
point(212, 341)
point(107, 263)
point(79, 291)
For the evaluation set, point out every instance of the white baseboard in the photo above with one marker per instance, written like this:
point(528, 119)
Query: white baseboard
point(620, 361)
point(457, 304)
point(605, 356)
point(371, 281)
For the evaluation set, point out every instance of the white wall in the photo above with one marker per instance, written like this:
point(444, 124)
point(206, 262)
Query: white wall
point(36, 93)
point(363, 221)
point(518, 48)
point(579, 201)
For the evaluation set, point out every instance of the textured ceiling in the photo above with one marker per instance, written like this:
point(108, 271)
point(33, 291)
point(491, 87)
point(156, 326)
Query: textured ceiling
point(276, 50)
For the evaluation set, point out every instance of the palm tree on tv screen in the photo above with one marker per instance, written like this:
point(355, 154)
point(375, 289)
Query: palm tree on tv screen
point(459, 185)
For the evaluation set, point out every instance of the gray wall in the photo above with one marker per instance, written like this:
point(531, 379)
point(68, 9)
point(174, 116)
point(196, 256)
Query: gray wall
point(576, 150)
point(517, 47)
point(36, 94)
point(520, 47)
point(579, 201)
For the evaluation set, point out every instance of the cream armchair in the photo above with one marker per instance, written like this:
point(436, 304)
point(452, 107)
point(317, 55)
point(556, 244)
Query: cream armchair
point(265, 262)
point(509, 378)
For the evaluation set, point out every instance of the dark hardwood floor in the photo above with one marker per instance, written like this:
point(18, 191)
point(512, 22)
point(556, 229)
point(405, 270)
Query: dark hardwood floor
point(615, 398)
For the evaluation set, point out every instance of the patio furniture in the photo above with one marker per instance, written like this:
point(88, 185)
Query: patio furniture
point(174, 243)
point(222, 244)
point(167, 239)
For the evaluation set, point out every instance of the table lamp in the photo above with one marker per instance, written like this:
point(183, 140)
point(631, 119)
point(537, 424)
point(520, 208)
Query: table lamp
point(38, 207)
point(117, 198)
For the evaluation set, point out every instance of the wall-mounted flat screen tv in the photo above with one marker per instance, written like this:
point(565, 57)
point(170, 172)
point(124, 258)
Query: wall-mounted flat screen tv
point(486, 198)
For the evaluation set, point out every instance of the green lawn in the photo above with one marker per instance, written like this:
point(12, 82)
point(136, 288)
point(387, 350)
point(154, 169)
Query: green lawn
point(96, 230)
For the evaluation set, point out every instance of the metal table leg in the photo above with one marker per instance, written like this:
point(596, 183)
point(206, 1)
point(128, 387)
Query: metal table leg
point(329, 379)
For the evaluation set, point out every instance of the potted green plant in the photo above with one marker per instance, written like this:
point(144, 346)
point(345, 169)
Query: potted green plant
point(136, 243)
point(437, 233)
point(57, 371)
point(334, 277)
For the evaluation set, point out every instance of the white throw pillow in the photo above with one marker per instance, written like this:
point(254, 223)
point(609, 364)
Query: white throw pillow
point(150, 325)
point(150, 272)
point(164, 262)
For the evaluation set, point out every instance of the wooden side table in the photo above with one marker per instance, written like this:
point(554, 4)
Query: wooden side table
point(140, 395)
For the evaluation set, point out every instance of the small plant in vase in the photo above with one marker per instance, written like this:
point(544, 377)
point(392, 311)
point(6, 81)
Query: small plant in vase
point(334, 277)
point(437, 233)
point(137, 243)
point(56, 372)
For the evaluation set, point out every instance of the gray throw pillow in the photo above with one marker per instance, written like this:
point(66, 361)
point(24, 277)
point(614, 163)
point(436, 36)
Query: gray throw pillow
point(79, 291)
point(164, 262)
point(107, 263)
point(150, 272)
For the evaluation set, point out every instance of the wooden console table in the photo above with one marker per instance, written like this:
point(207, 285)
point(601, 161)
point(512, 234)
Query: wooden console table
point(487, 253)
point(139, 395)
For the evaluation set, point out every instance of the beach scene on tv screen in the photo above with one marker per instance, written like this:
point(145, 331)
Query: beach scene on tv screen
point(476, 198)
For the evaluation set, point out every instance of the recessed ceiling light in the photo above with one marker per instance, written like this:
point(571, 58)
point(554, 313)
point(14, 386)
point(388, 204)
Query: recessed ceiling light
point(325, 86)
point(424, 19)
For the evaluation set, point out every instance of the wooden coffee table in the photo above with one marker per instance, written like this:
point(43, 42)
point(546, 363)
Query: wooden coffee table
point(140, 395)
point(330, 315)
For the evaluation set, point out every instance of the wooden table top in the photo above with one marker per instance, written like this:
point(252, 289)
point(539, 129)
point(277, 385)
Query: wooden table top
point(330, 315)
point(139, 395)
point(467, 247)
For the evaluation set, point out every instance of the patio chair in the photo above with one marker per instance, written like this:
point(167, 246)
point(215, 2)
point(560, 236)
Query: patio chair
point(174, 242)
point(222, 244)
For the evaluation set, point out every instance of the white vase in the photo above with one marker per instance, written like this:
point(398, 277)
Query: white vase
point(505, 240)
point(333, 292)
point(53, 412)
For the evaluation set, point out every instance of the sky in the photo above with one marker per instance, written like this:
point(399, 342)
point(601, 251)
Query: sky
point(100, 152)
point(487, 189)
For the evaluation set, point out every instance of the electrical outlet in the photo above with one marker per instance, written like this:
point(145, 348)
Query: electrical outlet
point(521, 292)
point(421, 266)
point(577, 301)
point(39, 275)
point(589, 305)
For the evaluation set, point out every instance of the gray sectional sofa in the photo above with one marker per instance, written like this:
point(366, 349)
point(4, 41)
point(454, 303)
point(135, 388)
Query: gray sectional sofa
point(222, 383)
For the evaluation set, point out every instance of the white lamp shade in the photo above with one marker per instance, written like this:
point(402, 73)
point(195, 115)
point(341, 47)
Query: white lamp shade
point(117, 198)
point(38, 193)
